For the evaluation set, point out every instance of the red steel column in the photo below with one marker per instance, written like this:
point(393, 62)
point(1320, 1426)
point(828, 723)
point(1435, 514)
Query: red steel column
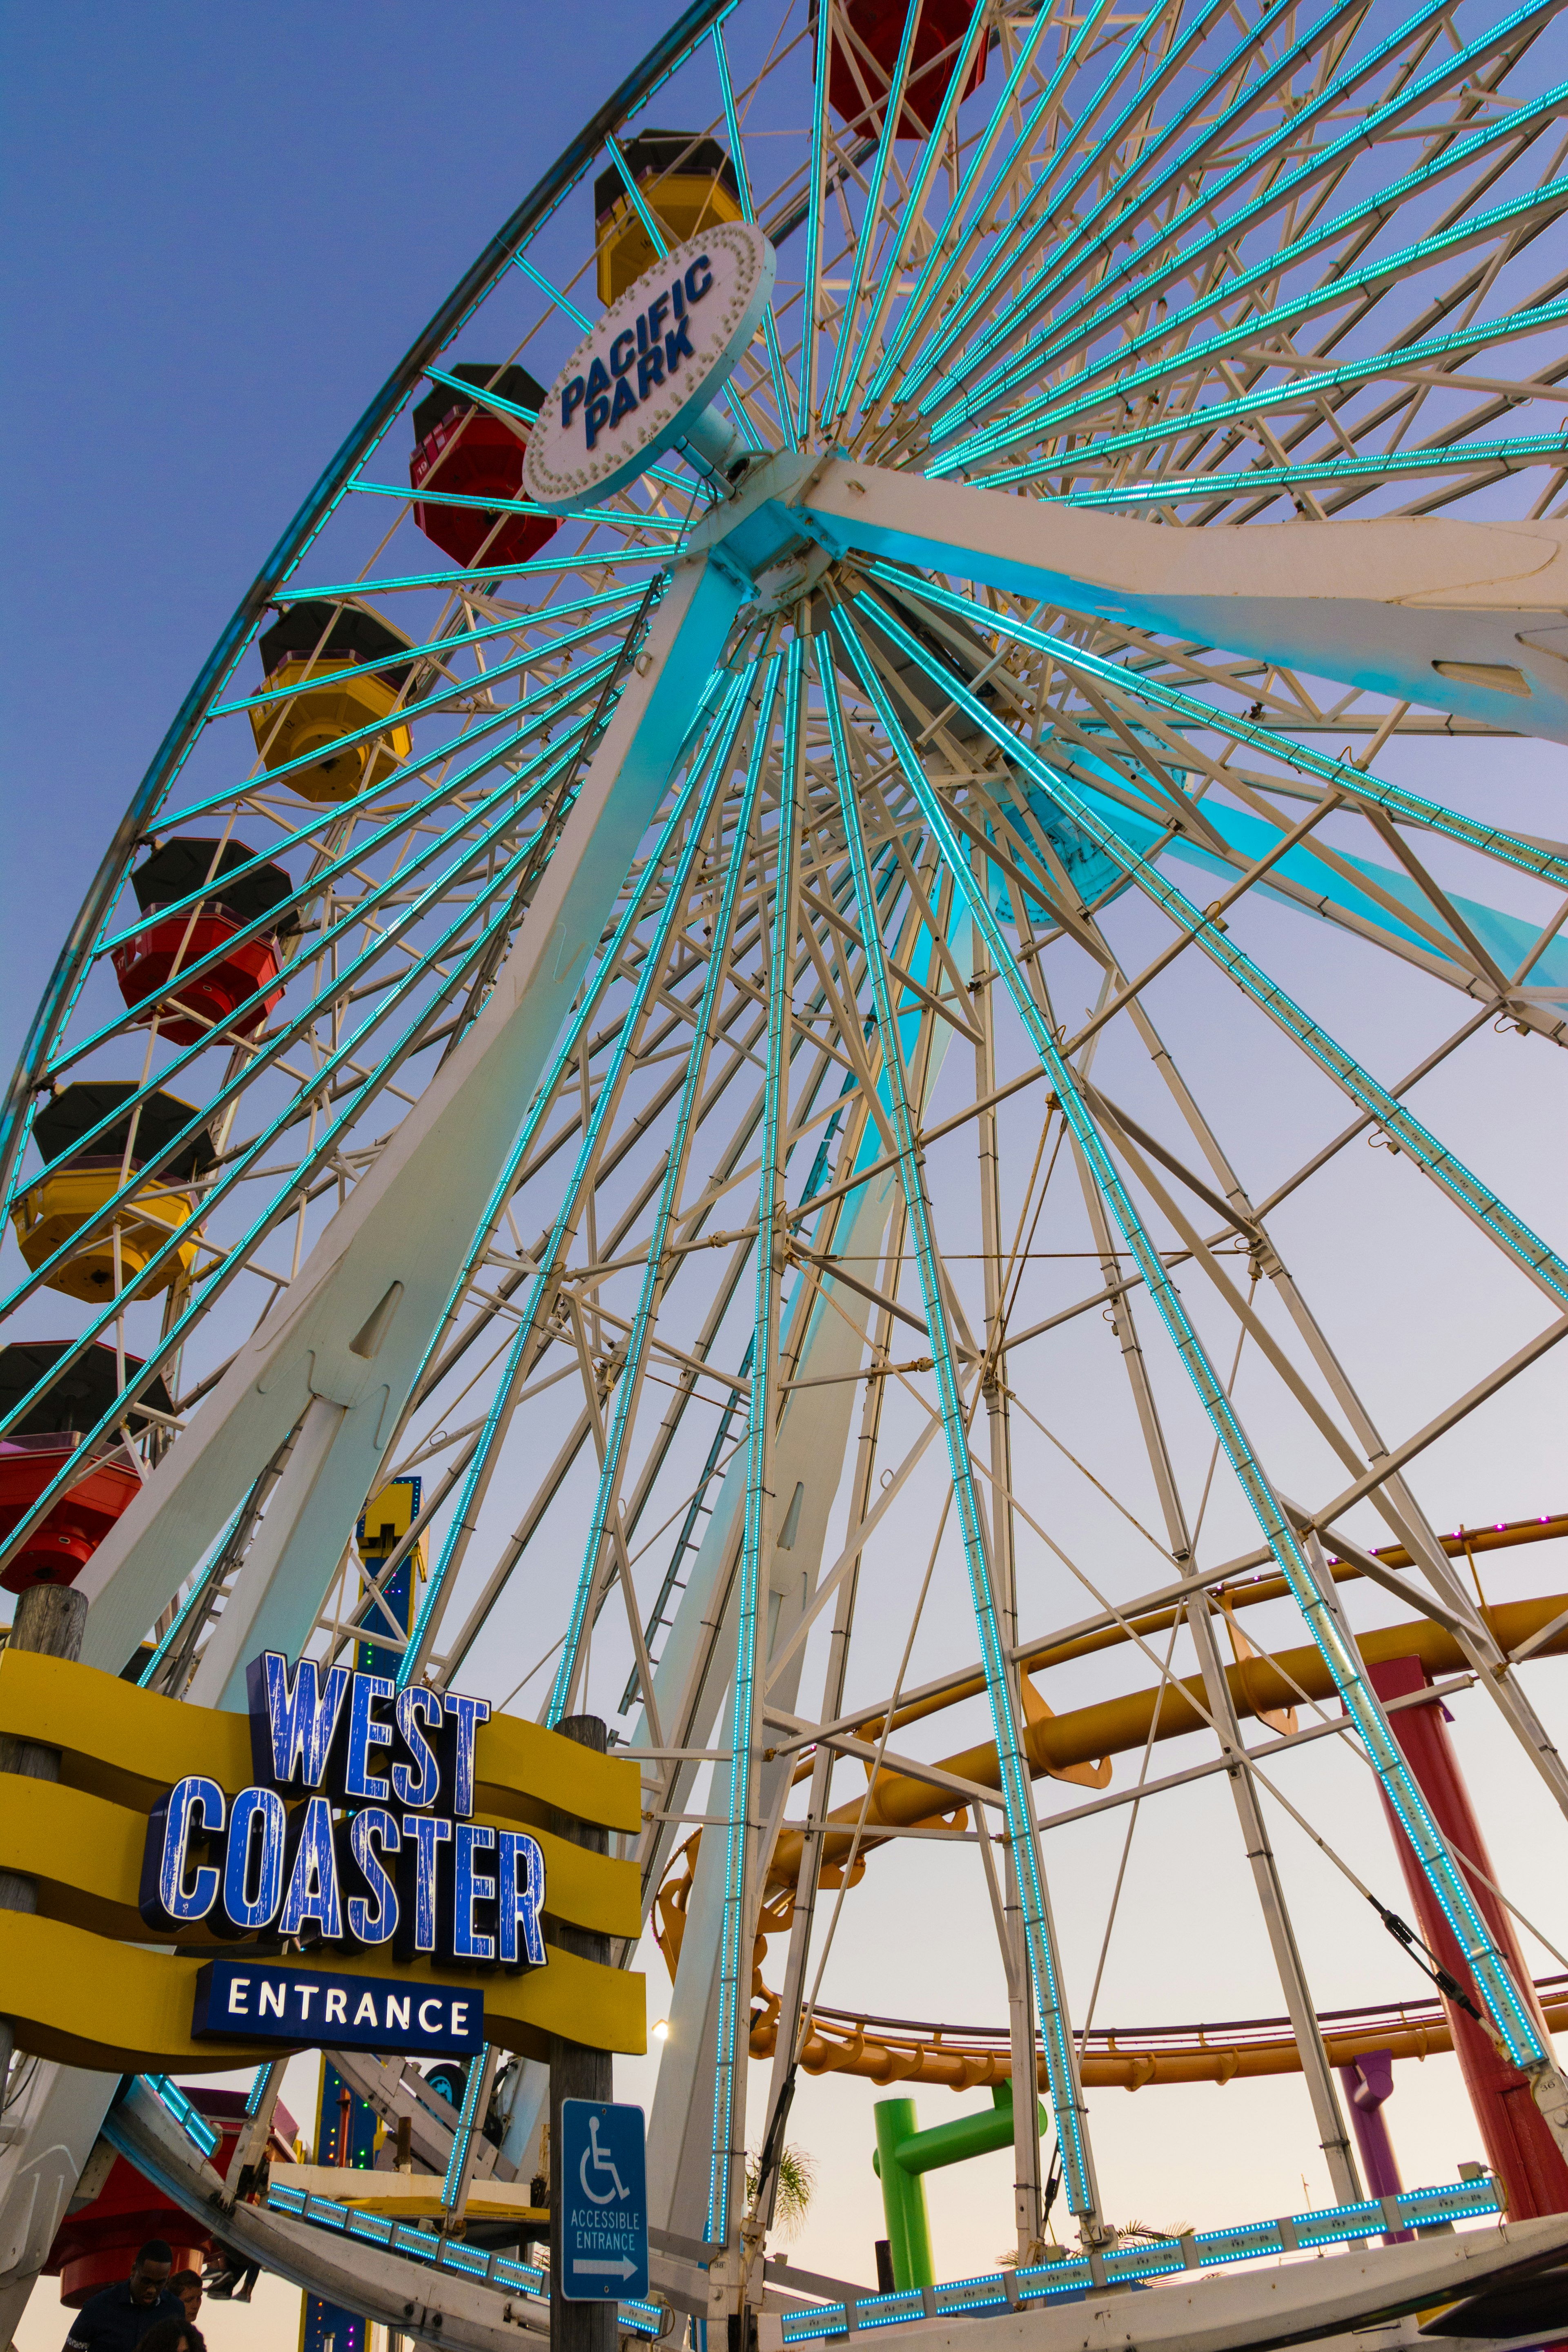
point(1520, 2148)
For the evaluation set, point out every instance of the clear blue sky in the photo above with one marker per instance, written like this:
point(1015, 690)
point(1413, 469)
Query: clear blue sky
point(223, 226)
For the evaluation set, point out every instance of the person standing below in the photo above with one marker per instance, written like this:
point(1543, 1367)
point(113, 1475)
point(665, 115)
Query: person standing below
point(188, 2285)
point(118, 2319)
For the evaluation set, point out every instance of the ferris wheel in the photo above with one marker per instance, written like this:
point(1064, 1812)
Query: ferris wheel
point(716, 1092)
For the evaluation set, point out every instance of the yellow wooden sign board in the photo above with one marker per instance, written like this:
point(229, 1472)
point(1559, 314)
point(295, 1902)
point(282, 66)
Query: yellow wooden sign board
point(86, 1985)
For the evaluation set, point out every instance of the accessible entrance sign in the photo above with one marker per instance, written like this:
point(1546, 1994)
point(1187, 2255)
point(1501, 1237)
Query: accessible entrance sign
point(604, 2202)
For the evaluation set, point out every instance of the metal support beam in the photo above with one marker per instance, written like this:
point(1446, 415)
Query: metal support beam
point(410, 1220)
point(1375, 603)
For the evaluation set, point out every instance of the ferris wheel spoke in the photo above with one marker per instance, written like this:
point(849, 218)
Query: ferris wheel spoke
point(1087, 246)
point(1267, 1885)
point(1324, 374)
point(1525, 1249)
point(628, 1392)
point(946, 257)
point(893, 219)
point(1393, 1498)
point(1503, 1999)
point(1001, 1686)
point(690, 817)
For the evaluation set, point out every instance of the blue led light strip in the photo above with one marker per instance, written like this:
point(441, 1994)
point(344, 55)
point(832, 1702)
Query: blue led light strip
point(628, 1390)
point(672, 916)
point(1508, 2010)
point(189, 2117)
point(736, 1931)
point(541, 1288)
point(1246, 482)
point(748, 213)
point(586, 560)
point(622, 518)
point(1489, 841)
point(654, 233)
point(479, 2070)
point(1000, 1683)
point(502, 2271)
point(1418, 2209)
point(945, 258)
point(892, 111)
point(813, 228)
point(561, 302)
point(483, 396)
point(1085, 244)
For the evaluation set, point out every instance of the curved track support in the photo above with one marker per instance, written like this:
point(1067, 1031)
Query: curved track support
point(409, 2297)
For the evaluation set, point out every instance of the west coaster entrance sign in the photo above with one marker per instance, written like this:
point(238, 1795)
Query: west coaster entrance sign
point(639, 381)
point(346, 1867)
point(373, 1876)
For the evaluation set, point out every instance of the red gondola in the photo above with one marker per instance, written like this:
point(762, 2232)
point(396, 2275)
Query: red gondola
point(481, 455)
point(869, 52)
point(150, 966)
point(95, 2246)
point(34, 1453)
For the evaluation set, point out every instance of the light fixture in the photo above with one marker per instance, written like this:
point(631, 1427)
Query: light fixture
point(661, 2030)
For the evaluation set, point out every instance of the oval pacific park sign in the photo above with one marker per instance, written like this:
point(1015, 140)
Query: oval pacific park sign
point(654, 361)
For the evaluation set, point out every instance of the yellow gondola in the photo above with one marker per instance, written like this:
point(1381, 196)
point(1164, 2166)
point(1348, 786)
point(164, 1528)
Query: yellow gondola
point(325, 651)
point(687, 182)
point(72, 1197)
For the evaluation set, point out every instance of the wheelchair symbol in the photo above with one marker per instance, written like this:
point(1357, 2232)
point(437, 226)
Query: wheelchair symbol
point(600, 2161)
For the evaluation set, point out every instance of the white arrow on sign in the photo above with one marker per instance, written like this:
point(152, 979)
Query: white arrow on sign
point(619, 2268)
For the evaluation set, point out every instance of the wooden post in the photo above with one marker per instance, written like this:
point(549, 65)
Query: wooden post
point(49, 1619)
point(576, 2073)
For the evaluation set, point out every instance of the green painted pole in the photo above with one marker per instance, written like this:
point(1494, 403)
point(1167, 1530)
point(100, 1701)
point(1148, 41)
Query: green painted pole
point(903, 2195)
point(903, 2154)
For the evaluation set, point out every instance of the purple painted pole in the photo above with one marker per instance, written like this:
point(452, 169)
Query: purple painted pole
point(1369, 2081)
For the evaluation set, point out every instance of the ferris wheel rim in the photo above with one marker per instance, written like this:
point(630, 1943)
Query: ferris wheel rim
point(689, 28)
point(497, 256)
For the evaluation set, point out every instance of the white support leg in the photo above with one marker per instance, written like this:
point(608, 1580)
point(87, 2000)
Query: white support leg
point(381, 1273)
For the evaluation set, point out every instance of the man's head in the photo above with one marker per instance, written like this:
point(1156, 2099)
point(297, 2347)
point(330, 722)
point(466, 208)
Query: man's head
point(188, 2285)
point(150, 2273)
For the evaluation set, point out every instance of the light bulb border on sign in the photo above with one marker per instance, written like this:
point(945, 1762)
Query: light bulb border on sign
point(559, 471)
